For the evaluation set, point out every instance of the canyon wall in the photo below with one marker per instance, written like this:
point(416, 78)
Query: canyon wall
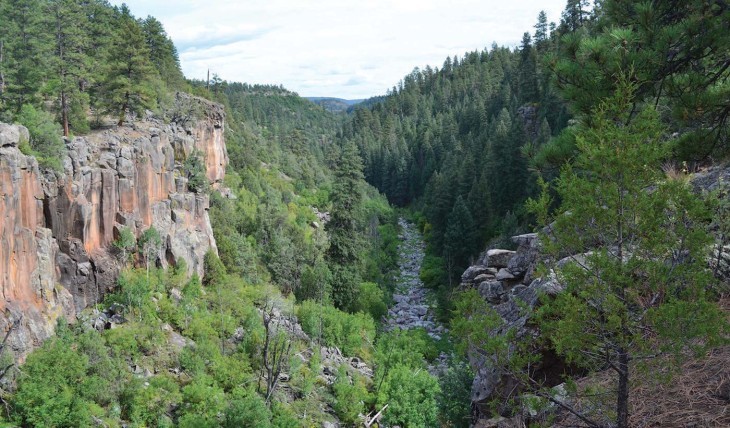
point(56, 228)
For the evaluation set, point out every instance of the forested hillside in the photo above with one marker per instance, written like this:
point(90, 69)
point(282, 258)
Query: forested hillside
point(78, 58)
point(463, 144)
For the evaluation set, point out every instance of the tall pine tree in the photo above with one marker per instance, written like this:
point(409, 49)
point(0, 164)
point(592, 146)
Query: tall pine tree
point(344, 250)
point(69, 60)
point(26, 44)
point(128, 81)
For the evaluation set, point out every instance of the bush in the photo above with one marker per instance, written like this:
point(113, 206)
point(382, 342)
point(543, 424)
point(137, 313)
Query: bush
point(202, 402)
point(248, 410)
point(48, 391)
point(411, 396)
point(350, 396)
point(148, 405)
point(454, 400)
point(46, 143)
point(371, 300)
point(410, 348)
point(194, 169)
point(352, 333)
point(433, 274)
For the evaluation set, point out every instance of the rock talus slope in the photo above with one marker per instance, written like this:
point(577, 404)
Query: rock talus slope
point(56, 229)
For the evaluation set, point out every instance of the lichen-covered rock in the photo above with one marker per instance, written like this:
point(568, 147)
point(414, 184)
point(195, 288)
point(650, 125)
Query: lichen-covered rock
point(504, 275)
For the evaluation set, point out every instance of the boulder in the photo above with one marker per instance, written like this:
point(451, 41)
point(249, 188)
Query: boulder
point(523, 264)
point(13, 135)
point(474, 271)
point(484, 277)
point(504, 275)
point(492, 291)
point(497, 258)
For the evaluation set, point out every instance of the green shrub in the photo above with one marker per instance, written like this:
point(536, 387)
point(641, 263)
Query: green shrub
point(433, 274)
point(202, 402)
point(411, 397)
point(454, 400)
point(352, 333)
point(247, 410)
point(284, 417)
point(351, 394)
point(148, 404)
point(371, 300)
point(45, 136)
point(409, 348)
point(49, 392)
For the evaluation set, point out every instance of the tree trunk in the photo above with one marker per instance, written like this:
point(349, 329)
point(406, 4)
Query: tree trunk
point(2, 75)
point(622, 403)
point(64, 113)
point(123, 113)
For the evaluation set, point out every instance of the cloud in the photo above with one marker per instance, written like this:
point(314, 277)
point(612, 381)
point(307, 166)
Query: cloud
point(210, 39)
point(339, 48)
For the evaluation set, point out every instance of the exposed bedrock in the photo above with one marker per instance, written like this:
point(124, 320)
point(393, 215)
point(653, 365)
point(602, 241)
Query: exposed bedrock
point(56, 229)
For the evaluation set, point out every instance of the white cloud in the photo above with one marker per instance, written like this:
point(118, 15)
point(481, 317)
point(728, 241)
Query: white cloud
point(340, 48)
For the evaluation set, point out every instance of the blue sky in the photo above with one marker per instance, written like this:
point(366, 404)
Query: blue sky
point(338, 48)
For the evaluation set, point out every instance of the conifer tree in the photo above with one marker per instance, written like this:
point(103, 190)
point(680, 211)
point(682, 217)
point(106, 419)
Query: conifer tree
point(636, 287)
point(26, 43)
point(575, 14)
point(344, 250)
point(459, 238)
point(68, 64)
point(127, 83)
point(163, 53)
point(527, 82)
point(541, 30)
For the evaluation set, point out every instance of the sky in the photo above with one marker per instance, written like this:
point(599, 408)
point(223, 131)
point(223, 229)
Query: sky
point(335, 48)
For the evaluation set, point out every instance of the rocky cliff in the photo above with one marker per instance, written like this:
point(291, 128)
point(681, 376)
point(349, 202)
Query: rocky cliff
point(56, 229)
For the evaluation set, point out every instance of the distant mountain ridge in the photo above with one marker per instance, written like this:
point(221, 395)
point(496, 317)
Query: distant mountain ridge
point(335, 105)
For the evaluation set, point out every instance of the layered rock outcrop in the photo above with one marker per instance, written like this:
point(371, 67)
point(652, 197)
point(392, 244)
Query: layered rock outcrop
point(506, 280)
point(56, 229)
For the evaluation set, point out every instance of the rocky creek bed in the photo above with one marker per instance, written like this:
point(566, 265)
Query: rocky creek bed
point(412, 308)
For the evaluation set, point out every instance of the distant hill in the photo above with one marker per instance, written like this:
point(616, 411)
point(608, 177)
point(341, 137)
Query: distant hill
point(335, 105)
point(370, 102)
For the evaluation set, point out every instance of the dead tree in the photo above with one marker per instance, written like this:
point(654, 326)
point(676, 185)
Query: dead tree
point(5, 370)
point(13, 326)
point(277, 348)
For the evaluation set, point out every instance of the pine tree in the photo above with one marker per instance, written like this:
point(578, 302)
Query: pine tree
point(26, 44)
point(163, 54)
point(459, 238)
point(575, 14)
point(527, 82)
point(636, 286)
point(541, 31)
point(69, 60)
point(127, 83)
point(344, 250)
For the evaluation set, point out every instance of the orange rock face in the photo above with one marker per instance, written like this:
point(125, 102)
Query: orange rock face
point(20, 203)
point(56, 231)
